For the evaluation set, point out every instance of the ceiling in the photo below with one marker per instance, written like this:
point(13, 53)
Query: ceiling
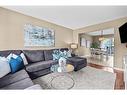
point(98, 33)
point(73, 17)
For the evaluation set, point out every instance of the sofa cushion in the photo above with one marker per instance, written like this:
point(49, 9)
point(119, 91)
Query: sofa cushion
point(34, 87)
point(12, 78)
point(34, 75)
point(48, 55)
point(64, 49)
point(75, 61)
point(22, 84)
point(5, 53)
point(39, 65)
point(34, 55)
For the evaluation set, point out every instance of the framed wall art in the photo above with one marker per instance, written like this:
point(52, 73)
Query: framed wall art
point(38, 36)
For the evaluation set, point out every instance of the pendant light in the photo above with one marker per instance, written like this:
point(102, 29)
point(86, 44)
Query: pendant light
point(101, 38)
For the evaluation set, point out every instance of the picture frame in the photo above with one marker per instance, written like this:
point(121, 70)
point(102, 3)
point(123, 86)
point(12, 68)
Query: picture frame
point(38, 36)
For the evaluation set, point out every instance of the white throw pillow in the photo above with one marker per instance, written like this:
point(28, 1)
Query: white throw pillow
point(11, 55)
point(14, 56)
point(24, 59)
point(4, 67)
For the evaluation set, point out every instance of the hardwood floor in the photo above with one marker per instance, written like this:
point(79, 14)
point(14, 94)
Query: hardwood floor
point(119, 83)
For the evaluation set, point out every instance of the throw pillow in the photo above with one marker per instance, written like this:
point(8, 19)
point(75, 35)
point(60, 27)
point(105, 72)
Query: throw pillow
point(4, 67)
point(69, 53)
point(24, 59)
point(56, 55)
point(63, 54)
point(11, 55)
point(16, 64)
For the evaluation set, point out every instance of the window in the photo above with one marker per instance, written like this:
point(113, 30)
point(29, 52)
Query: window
point(83, 42)
point(88, 44)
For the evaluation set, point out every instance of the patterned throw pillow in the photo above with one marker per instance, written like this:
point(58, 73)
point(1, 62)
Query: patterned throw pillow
point(63, 54)
point(57, 54)
point(69, 53)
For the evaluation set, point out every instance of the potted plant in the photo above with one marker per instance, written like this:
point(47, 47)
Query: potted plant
point(95, 45)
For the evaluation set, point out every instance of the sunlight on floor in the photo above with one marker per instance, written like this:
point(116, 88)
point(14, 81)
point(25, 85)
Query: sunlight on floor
point(101, 61)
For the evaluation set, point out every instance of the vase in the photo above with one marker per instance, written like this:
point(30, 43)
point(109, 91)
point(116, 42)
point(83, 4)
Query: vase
point(62, 62)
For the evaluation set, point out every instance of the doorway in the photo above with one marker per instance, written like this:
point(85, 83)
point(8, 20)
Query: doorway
point(100, 48)
point(108, 45)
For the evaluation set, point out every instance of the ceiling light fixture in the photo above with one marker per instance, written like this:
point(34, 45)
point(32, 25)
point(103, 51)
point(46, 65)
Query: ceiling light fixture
point(101, 38)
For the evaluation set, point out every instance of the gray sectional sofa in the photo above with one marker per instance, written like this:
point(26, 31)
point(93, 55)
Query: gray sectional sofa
point(39, 64)
point(39, 61)
point(18, 80)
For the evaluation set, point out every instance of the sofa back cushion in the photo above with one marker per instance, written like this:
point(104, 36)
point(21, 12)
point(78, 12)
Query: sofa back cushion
point(48, 55)
point(5, 53)
point(12, 78)
point(33, 56)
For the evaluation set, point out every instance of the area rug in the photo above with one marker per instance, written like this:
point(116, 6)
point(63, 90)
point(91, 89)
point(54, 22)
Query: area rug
point(86, 78)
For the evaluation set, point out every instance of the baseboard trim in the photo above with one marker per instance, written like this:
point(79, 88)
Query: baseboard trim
point(118, 69)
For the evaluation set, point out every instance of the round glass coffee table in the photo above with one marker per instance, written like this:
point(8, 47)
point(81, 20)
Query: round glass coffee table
point(62, 80)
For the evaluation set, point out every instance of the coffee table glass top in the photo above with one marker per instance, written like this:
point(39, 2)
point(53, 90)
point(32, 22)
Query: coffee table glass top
point(62, 81)
point(57, 68)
